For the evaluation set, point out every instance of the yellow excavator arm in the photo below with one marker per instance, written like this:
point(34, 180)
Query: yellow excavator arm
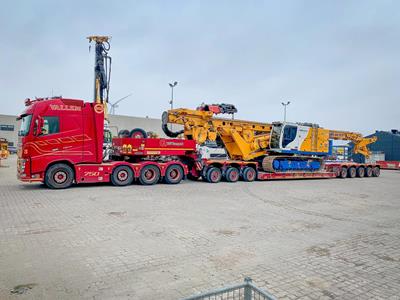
point(242, 139)
point(360, 142)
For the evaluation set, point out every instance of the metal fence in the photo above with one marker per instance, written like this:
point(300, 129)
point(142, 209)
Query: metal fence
point(244, 291)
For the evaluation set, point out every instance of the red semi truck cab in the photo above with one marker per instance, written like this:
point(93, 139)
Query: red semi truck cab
point(63, 130)
point(61, 142)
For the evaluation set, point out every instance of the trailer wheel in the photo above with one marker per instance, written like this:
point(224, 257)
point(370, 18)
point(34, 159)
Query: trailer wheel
point(360, 172)
point(249, 174)
point(232, 174)
point(121, 176)
point(124, 133)
point(173, 174)
point(214, 175)
point(351, 172)
point(368, 172)
point(59, 176)
point(376, 171)
point(138, 133)
point(149, 175)
point(343, 172)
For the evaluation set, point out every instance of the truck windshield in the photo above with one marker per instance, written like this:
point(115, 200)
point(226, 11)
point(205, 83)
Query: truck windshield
point(25, 125)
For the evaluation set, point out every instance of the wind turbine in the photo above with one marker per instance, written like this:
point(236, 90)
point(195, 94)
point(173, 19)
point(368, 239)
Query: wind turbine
point(115, 105)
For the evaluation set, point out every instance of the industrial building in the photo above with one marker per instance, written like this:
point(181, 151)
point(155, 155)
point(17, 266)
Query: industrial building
point(387, 146)
point(9, 126)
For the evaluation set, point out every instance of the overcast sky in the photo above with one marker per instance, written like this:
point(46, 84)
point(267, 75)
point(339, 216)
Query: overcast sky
point(338, 62)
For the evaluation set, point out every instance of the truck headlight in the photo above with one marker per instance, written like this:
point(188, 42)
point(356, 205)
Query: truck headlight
point(21, 164)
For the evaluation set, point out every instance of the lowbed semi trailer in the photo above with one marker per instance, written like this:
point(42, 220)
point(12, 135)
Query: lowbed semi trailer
point(65, 141)
point(61, 142)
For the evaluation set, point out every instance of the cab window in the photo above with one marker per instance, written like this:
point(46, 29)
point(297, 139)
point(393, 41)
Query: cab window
point(50, 125)
point(289, 134)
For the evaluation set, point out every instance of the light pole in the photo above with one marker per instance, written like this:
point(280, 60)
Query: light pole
point(284, 110)
point(172, 85)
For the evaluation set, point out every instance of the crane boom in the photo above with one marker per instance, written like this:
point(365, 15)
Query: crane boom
point(102, 70)
point(360, 142)
point(242, 139)
point(248, 140)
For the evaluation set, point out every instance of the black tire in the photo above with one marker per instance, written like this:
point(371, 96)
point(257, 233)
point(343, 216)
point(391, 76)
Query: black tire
point(368, 172)
point(138, 133)
point(343, 172)
point(232, 174)
point(149, 175)
point(174, 174)
point(249, 174)
point(124, 133)
point(376, 171)
point(351, 172)
point(59, 176)
point(122, 175)
point(214, 175)
point(360, 172)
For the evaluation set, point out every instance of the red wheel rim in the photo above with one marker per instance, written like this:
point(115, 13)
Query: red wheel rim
point(174, 173)
point(122, 175)
point(138, 135)
point(149, 174)
point(234, 175)
point(60, 177)
point(214, 175)
point(251, 174)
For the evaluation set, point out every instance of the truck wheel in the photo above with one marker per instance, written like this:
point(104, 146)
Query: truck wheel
point(149, 175)
point(249, 174)
point(343, 172)
point(351, 172)
point(360, 172)
point(173, 174)
point(214, 175)
point(124, 133)
point(368, 172)
point(59, 176)
point(232, 174)
point(376, 171)
point(121, 176)
point(138, 133)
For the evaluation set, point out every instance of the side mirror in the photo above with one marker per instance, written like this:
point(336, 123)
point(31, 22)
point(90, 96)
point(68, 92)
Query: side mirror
point(39, 123)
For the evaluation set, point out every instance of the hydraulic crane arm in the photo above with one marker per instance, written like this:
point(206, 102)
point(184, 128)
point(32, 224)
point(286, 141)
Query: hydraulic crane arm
point(360, 142)
point(102, 69)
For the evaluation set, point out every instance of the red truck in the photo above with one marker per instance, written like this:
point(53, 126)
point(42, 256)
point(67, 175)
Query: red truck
point(61, 142)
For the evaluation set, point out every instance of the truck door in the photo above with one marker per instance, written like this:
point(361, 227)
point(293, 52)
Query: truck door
point(57, 137)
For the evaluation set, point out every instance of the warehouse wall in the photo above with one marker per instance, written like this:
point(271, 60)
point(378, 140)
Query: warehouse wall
point(387, 143)
point(9, 127)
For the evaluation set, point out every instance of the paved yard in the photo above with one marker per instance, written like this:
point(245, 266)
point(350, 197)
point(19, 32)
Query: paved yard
point(314, 239)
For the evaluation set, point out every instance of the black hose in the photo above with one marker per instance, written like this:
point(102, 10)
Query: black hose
point(164, 126)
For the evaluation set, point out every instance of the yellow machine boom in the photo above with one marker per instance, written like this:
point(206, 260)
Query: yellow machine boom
point(242, 139)
point(247, 140)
